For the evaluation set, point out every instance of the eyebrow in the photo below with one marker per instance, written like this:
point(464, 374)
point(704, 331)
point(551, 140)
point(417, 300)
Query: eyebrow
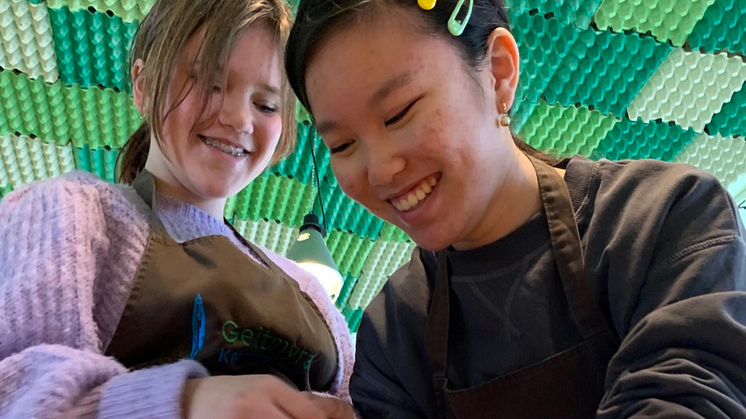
point(270, 89)
point(384, 90)
point(390, 86)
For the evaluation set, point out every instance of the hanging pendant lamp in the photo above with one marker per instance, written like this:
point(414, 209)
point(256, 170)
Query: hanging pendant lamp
point(311, 253)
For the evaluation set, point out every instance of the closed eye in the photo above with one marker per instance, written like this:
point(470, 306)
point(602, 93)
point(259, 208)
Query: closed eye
point(398, 117)
point(340, 148)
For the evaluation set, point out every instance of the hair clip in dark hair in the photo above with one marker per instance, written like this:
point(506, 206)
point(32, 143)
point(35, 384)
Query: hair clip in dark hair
point(454, 26)
point(426, 4)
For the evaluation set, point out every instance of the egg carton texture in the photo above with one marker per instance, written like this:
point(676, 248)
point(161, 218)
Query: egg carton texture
point(667, 20)
point(127, 10)
point(721, 28)
point(723, 157)
point(349, 251)
point(92, 48)
point(543, 43)
point(5, 190)
point(32, 107)
point(271, 235)
point(24, 160)
point(353, 319)
point(384, 259)
point(392, 233)
point(271, 198)
point(644, 140)
point(26, 42)
point(94, 117)
point(731, 120)
point(576, 12)
point(689, 88)
point(342, 213)
point(605, 70)
point(101, 161)
point(566, 131)
point(299, 165)
point(348, 284)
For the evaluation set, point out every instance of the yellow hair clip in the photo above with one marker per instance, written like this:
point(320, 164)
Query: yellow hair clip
point(426, 4)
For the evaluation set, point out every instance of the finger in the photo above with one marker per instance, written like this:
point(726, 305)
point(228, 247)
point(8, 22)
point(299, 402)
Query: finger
point(334, 408)
point(294, 404)
point(265, 412)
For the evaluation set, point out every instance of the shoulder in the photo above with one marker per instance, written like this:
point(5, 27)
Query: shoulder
point(75, 200)
point(74, 187)
point(651, 193)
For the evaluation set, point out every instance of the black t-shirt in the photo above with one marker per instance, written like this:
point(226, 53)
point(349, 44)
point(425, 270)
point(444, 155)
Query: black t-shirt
point(666, 257)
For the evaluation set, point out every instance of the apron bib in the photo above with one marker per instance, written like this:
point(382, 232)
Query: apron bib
point(567, 385)
point(206, 300)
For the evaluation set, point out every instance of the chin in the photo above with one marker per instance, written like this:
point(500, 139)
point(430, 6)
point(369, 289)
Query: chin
point(219, 190)
point(429, 241)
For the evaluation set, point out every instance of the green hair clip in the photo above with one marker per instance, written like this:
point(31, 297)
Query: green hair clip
point(454, 26)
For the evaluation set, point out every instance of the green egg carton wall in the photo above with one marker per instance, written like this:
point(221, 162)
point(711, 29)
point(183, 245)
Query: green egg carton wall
point(617, 79)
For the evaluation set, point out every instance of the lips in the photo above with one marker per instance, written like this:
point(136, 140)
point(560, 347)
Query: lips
point(416, 195)
point(224, 146)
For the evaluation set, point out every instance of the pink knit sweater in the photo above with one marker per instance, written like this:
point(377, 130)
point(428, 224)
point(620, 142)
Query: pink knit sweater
point(69, 251)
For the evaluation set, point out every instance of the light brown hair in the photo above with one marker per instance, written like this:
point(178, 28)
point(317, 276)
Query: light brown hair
point(159, 42)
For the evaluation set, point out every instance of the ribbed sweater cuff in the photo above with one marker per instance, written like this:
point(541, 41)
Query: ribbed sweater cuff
point(149, 393)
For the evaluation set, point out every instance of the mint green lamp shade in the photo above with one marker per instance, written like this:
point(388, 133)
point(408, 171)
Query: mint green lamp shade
point(312, 254)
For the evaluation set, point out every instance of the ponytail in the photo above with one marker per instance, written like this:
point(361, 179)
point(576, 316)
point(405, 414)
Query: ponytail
point(535, 153)
point(134, 154)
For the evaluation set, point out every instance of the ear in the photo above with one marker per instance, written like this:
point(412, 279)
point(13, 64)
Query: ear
point(505, 63)
point(138, 86)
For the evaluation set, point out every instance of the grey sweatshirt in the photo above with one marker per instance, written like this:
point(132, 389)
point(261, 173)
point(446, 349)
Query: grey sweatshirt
point(666, 258)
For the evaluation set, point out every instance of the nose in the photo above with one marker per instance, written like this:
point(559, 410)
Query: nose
point(384, 162)
point(238, 113)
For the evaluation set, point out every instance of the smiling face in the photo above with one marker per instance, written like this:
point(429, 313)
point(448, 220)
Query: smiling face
point(211, 155)
point(412, 131)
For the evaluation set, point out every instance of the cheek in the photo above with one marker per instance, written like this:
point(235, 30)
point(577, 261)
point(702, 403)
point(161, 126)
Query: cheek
point(351, 179)
point(271, 130)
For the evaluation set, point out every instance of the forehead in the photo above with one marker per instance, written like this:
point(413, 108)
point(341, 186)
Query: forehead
point(256, 53)
point(360, 57)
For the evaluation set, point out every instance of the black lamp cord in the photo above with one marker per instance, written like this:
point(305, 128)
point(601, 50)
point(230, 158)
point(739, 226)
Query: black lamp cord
point(311, 141)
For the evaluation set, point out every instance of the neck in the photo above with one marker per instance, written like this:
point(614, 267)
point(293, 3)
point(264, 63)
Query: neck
point(167, 184)
point(514, 203)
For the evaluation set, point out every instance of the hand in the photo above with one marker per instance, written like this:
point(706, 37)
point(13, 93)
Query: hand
point(333, 406)
point(255, 396)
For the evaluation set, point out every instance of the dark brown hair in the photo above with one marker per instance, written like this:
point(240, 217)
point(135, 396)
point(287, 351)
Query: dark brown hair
point(317, 20)
point(159, 42)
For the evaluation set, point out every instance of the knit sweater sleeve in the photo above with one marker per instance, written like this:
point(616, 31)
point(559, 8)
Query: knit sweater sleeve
point(311, 286)
point(70, 249)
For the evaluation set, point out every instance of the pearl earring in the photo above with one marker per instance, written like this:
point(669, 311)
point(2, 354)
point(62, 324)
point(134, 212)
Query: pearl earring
point(505, 119)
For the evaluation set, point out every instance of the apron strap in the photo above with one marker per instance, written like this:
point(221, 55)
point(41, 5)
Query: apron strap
point(437, 332)
point(568, 250)
point(142, 195)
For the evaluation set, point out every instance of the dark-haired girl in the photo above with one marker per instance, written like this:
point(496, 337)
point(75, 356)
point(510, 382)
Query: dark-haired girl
point(540, 288)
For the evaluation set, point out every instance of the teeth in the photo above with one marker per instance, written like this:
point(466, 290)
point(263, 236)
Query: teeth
point(225, 148)
point(415, 197)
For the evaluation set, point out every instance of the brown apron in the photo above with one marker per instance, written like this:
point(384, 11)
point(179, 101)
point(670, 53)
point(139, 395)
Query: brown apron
point(567, 385)
point(206, 300)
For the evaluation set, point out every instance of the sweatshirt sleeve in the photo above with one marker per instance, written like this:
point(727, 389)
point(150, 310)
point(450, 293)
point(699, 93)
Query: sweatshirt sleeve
point(64, 279)
point(311, 286)
point(684, 327)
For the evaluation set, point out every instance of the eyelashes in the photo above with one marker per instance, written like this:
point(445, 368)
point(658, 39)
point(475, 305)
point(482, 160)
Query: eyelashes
point(398, 117)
